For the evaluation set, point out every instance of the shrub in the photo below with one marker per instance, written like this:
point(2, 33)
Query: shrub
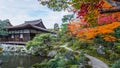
point(117, 50)
point(109, 52)
point(41, 40)
point(73, 66)
point(64, 59)
point(41, 44)
point(116, 64)
point(80, 45)
point(88, 66)
point(112, 56)
point(1, 49)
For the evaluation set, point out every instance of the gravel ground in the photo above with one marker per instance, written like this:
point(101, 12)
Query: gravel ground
point(96, 63)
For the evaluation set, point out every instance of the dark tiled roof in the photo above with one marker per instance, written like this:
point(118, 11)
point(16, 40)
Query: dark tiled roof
point(36, 24)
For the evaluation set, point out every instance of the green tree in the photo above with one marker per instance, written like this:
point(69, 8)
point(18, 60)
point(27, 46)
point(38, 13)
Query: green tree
point(56, 27)
point(3, 31)
point(67, 18)
point(117, 32)
point(55, 5)
point(40, 41)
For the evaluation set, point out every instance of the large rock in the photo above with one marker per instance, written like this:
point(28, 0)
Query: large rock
point(52, 53)
point(1, 62)
point(100, 50)
point(42, 53)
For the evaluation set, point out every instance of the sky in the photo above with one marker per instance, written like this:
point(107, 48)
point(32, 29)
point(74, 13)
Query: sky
point(18, 11)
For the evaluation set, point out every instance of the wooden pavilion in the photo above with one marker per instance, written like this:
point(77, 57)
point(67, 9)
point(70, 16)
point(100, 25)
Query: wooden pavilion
point(24, 32)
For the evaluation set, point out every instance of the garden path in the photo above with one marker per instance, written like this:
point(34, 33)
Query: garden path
point(96, 63)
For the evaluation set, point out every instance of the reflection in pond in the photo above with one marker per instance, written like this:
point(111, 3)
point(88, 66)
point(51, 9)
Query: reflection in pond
point(14, 60)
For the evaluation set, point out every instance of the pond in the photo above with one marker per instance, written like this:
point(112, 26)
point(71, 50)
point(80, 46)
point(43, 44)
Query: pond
point(14, 60)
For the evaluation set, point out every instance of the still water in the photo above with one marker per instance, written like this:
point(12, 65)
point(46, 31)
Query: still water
point(14, 60)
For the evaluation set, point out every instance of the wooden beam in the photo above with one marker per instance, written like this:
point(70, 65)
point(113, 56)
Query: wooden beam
point(117, 0)
point(110, 10)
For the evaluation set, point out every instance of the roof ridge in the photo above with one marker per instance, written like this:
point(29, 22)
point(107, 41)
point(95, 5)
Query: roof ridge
point(33, 21)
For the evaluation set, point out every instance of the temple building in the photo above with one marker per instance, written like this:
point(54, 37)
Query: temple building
point(24, 32)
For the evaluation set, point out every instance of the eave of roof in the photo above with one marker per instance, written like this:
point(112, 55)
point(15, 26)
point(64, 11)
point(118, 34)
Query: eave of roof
point(115, 4)
point(28, 26)
point(42, 29)
point(110, 10)
point(35, 24)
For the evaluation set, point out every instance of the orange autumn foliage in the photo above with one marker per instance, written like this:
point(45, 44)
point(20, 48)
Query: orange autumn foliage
point(116, 15)
point(106, 5)
point(90, 33)
point(75, 26)
point(108, 18)
point(109, 38)
point(108, 21)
